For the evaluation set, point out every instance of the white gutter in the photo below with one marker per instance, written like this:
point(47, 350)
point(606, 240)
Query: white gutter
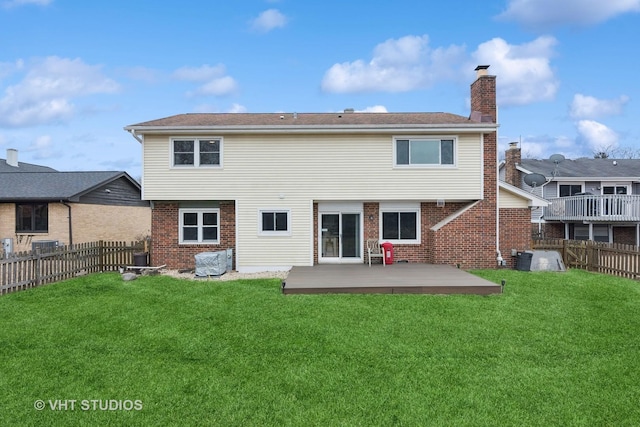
point(475, 128)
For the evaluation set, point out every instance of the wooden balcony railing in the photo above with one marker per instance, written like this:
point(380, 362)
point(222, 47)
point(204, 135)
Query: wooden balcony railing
point(606, 208)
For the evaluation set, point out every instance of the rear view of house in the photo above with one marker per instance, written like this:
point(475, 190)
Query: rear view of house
point(288, 189)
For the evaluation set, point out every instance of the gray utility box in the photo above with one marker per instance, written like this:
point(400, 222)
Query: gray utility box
point(213, 263)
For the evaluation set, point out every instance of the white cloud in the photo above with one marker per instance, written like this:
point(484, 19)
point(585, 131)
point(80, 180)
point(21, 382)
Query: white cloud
point(200, 74)
point(17, 3)
point(398, 65)
point(43, 148)
point(269, 20)
point(524, 71)
point(597, 136)
point(213, 78)
point(143, 74)
point(218, 87)
point(46, 92)
point(237, 108)
point(549, 13)
point(374, 109)
point(588, 107)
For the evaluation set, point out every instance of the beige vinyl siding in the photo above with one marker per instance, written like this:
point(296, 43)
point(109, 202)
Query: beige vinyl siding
point(293, 171)
point(510, 200)
point(254, 249)
point(318, 167)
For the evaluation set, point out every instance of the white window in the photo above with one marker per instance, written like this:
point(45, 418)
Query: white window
point(566, 190)
point(400, 223)
point(615, 189)
point(274, 222)
point(424, 152)
point(199, 226)
point(197, 152)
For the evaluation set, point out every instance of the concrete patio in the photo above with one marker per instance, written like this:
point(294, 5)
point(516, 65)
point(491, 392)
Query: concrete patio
point(389, 279)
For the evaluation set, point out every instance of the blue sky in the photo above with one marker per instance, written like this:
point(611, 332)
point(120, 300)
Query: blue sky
point(74, 73)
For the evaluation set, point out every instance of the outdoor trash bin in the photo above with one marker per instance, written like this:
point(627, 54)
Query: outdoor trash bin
point(387, 247)
point(523, 261)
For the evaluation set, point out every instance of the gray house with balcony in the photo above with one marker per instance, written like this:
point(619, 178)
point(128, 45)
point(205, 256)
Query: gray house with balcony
point(590, 199)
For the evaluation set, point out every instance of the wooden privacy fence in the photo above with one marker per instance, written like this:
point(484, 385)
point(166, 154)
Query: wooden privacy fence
point(608, 258)
point(24, 270)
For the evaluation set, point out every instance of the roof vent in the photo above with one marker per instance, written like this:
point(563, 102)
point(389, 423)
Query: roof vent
point(349, 110)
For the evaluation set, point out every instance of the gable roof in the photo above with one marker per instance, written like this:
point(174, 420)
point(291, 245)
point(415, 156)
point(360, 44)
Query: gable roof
point(584, 168)
point(58, 186)
point(23, 167)
point(308, 121)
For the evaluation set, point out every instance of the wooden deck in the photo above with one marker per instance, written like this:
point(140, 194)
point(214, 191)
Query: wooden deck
point(390, 279)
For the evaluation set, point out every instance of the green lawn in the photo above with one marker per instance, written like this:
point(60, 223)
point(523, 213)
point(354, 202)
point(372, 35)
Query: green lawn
point(555, 349)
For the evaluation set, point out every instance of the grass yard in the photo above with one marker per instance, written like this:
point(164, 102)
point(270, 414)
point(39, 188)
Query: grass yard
point(558, 349)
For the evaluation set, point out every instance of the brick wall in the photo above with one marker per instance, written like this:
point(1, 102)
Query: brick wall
point(514, 233)
point(165, 248)
point(549, 230)
point(624, 235)
point(512, 158)
point(470, 240)
point(90, 223)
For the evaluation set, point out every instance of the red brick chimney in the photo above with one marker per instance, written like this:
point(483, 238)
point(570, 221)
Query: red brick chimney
point(483, 96)
point(512, 158)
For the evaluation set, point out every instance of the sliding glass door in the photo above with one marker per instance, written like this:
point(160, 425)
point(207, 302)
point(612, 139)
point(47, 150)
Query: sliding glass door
point(340, 237)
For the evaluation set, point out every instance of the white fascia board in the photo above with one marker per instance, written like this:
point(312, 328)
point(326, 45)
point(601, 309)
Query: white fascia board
point(522, 169)
point(534, 201)
point(475, 128)
point(612, 179)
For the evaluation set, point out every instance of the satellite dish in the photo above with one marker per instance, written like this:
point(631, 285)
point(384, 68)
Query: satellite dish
point(534, 179)
point(556, 158)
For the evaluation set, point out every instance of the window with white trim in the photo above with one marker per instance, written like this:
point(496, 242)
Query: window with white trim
point(400, 224)
point(198, 152)
point(274, 222)
point(424, 152)
point(199, 226)
point(566, 190)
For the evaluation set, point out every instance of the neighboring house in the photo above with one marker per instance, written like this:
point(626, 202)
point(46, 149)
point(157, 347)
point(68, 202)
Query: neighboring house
point(298, 189)
point(590, 199)
point(40, 206)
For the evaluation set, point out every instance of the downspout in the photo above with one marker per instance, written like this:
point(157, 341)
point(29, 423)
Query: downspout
point(499, 258)
point(70, 222)
point(541, 207)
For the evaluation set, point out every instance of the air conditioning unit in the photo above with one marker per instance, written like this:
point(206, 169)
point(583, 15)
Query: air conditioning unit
point(44, 245)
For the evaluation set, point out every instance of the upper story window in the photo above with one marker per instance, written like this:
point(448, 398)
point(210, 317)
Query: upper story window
point(614, 189)
point(198, 152)
point(32, 217)
point(566, 190)
point(424, 152)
